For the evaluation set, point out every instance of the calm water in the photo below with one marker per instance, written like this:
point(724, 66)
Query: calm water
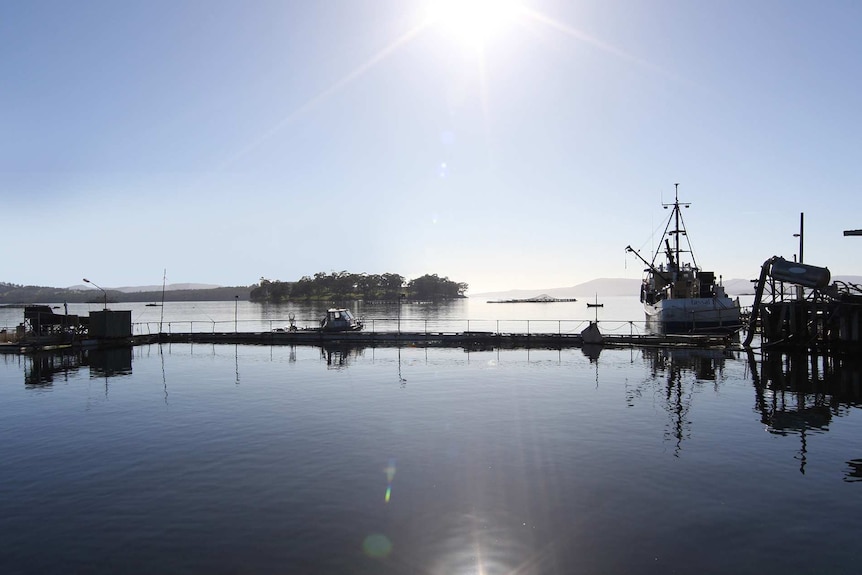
point(254, 459)
point(619, 314)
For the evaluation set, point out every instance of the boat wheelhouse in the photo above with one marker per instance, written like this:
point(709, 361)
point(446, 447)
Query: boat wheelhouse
point(340, 319)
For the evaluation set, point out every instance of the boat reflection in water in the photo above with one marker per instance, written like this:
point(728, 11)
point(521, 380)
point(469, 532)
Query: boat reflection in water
point(507, 461)
point(340, 355)
point(669, 369)
point(704, 364)
point(796, 395)
point(801, 393)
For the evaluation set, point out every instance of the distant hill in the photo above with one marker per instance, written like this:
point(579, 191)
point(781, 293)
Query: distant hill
point(848, 279)
point(611, 287)
point(604, 287)
point(738, 286)
point(746, 287)
point(18, 294)
point(150, 288)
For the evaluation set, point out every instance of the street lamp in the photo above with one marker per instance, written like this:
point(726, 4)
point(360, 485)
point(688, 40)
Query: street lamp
point(104, 293)
point(235, 306)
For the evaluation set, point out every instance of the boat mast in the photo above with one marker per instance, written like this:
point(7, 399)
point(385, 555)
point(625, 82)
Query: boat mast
point(676, 222)
point(673, 254)
point(162, 317)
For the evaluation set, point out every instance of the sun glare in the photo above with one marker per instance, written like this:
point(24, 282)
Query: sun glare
point(472, 21)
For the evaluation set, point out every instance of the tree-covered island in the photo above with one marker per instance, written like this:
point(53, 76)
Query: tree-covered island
point(321, 287)
point(349, 286)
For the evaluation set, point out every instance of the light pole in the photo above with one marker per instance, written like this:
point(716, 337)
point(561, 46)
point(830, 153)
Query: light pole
point(104, 293)
point(800, 291)
point(400, 299)
point(801, 234)
point(235, 307)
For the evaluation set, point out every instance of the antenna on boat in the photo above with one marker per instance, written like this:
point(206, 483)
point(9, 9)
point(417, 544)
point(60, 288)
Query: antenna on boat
point(676, 216)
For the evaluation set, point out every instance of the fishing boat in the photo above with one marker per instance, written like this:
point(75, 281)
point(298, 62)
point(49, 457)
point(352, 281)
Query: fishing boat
point(340, 319)
point(597, 304)
point(678, 296)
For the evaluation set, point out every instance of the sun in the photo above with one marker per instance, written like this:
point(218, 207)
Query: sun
point(473, 22)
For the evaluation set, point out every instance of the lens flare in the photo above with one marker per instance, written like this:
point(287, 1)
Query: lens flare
point(390, 475)
point(377, 545)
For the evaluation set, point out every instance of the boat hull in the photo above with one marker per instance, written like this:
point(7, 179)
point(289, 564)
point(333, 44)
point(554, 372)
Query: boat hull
point(694, 315)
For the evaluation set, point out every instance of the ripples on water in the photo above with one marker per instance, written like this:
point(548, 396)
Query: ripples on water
point(247, 459)
point(232, 459)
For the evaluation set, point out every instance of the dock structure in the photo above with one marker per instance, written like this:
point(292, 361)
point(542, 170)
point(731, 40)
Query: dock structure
point(813, 323)
point(465, 339)
point(816, 314)
point(45, 331)
point(451, 339)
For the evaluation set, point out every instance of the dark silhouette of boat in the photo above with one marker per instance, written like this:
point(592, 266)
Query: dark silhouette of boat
point(340, 319)
point(678, 296)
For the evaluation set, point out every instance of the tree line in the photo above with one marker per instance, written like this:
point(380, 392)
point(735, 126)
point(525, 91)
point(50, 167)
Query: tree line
point(321, 286)
point(350, 286)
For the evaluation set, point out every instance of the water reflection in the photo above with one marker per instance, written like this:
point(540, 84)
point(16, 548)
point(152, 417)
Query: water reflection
point(43, 369)
point(799, 394)
point(511, 466)
point(340, 355)
point(668, 368)
point(164, 376)
point(854, 473)
point(110, 362)
point(704, 364)
point(236, 362)
point(480, 541)
point(40, 369)
point(592, 351)
point(401, 380)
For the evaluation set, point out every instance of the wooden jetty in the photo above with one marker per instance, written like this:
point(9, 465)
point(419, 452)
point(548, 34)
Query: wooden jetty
point(820, 315)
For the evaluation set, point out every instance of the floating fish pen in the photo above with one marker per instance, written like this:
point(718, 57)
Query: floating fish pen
point(44, 331)
point(591, 336)
point(544, 298)
point(815, 314)
point(468, 339)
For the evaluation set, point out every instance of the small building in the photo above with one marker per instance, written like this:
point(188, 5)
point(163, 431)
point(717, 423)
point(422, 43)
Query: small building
point(108, 324)
point(40, 320)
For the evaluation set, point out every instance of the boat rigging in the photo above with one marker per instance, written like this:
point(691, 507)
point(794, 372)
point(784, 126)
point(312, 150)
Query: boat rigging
point(677, 295)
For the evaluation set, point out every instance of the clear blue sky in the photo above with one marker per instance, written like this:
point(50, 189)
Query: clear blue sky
point(504, 147)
